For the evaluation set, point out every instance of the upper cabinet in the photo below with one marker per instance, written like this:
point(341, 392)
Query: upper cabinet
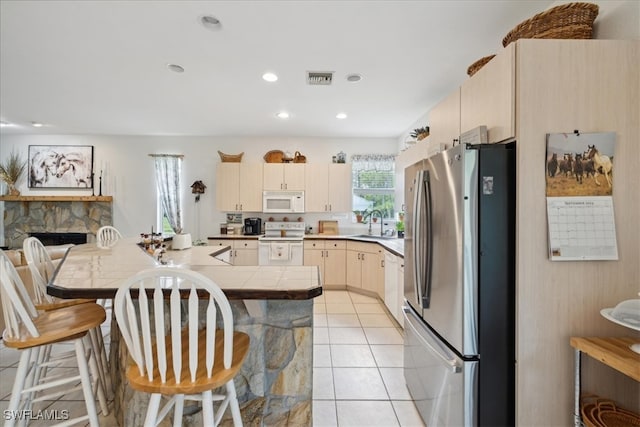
point(328, 187)
point(239, 187)
point(488, 98)
point(284, 176)
point(444, 120)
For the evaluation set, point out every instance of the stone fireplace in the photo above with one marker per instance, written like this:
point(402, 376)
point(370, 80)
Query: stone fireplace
point(29, 216)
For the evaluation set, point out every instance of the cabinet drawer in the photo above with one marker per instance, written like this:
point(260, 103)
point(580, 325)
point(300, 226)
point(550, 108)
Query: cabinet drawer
point(335, 244)
point(245, 244)
point(220, 242)
point(314, 244)
point(364, 247)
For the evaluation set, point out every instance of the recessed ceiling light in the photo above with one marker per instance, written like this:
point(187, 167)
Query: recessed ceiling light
point(175, 68)
point(341, 116)
point(282, 115)
point(269, 77)
point(36, 124)
point(354, 78)
point(210, 22)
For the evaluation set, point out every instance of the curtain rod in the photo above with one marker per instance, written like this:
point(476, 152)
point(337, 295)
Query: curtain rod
point(167, 155)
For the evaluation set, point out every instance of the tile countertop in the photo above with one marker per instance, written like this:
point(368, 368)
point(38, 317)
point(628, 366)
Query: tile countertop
point(90, 272)
point(394, 245)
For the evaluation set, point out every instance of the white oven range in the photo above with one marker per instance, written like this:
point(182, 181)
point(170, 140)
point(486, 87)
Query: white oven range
point(281, 243)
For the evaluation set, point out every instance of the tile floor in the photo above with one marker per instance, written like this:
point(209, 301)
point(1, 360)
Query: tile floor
point(357, 368)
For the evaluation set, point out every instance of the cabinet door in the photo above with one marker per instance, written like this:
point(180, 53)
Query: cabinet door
point(273, 174)
point(444, 120)
point(245, 257)
point(316, 257)
point(227, 187)
point(316, 188)
point(335, 263)
point(371, 271)
point(250, 197)
point(399, 316)
point(339, 192)
point(391, 283)
point(294, 176)
point(354, 269)
point(488, 98)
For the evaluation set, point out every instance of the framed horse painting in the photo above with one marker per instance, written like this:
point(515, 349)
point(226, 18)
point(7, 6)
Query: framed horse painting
point(60, 166)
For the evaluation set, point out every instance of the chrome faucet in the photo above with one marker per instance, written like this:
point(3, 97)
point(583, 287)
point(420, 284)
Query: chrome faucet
point(371, 221)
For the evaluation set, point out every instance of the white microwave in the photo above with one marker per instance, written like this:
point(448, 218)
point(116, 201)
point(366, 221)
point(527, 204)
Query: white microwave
point(283, 201)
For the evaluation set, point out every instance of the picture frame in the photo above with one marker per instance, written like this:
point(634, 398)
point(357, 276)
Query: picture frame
point(60, 166)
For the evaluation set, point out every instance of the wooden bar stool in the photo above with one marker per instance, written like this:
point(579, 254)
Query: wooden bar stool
point(33, 333)
point(42, 269)
point(185, 362)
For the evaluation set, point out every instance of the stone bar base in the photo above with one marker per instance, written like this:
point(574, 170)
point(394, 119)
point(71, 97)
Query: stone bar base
point(276, 381)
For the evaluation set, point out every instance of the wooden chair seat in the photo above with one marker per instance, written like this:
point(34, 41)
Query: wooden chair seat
point(58, 325)
point(219, 377)
point(62, 304)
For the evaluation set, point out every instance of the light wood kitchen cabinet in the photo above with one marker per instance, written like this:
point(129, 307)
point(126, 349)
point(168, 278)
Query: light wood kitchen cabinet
point(394, 285)
point(365, 267)
point(328, 187)
point(488, 98)
point(239, 187)
point(243, 251)
point(283, 176)
point(330, 257)
point(444, 120)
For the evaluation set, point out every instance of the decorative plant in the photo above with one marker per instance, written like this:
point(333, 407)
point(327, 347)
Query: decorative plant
point(420, 133)
point(399, 225)
point(359, 215)
point(11, 170)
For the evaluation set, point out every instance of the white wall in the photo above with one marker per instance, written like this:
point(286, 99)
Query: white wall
point(128, 173)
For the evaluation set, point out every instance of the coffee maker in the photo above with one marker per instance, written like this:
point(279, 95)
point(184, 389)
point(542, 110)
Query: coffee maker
point(252, 226)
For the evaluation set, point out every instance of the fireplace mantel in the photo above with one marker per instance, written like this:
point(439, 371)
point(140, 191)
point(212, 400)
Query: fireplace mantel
point(56, 198)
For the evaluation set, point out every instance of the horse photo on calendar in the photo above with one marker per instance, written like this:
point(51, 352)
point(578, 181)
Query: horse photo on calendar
point(579, 164)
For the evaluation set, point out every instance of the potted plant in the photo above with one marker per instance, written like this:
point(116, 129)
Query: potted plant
point(358, 215)
point(10, 172)
point(420, 133)
point(400, 228)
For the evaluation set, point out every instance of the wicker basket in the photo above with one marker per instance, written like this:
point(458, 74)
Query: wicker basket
point(473, 68)
point(598, 412)
point(299, 158)
point(274, 156)
point(567, 21)
point(231, 158)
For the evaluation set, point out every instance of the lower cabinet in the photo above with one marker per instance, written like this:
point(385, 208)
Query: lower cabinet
point(243, 251)
point(330, 257)
point(394, 285)
point(365, 267)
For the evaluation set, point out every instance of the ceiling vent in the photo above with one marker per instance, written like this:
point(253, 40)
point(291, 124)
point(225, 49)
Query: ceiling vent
point(323, 78)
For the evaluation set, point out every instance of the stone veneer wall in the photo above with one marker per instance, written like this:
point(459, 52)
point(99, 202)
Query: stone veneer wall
point(22, 218)
point(275, 384)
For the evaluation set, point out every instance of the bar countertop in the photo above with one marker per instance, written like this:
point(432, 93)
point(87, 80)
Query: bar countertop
point(87, 271)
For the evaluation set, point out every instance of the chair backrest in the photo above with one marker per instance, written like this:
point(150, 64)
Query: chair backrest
point(41, 268)
point(107, 236)
point(137, 324)
point(17, 307)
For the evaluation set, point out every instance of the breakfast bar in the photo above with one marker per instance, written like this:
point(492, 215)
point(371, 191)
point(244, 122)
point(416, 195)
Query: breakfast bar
point(272, 304)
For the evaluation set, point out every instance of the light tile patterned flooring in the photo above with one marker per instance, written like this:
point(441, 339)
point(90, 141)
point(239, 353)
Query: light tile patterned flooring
point(357, 368)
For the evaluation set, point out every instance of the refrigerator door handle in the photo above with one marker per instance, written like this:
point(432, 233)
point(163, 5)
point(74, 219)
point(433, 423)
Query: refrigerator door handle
point(411, 319)
point(417, 234)
point(428, 258)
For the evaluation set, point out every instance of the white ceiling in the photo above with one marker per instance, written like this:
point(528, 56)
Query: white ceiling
point(99, 67)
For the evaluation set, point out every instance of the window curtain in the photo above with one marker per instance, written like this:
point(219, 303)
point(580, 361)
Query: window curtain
point(375, 162)
point(168, 172)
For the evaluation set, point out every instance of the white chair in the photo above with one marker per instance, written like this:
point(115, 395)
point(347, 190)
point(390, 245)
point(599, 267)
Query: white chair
point(183, 362)
point(107, 236)
point(33, 334)
point(42, 270)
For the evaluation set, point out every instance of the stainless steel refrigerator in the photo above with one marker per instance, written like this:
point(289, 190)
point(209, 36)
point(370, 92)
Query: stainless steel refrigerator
point(459, 341)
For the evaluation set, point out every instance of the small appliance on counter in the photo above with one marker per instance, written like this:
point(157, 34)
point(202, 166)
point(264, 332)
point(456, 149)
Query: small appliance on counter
point(252, 226)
